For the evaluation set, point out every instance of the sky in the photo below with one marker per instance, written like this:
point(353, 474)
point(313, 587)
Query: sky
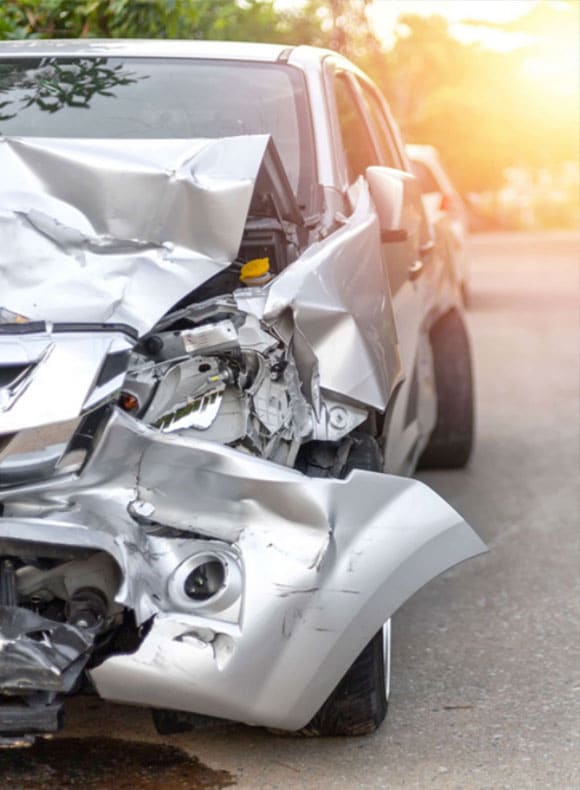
point(551, 27)
point(495, 10)
point(384, 14)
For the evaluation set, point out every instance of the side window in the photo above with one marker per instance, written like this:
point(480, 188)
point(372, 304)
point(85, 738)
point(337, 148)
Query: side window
point(356, 139)
point(380, 127)
point(425, 177)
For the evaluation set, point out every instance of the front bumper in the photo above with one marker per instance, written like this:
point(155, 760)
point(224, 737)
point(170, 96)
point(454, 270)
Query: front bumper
point(313, 567)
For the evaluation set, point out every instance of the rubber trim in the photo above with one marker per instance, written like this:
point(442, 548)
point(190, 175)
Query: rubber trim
point(41, 327)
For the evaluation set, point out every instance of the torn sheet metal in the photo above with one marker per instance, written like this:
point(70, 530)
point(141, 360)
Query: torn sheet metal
point(119, 230)
point(42, 362)
point(113, 455)
point(37, 654)
point(323, 563)
point(345, 339)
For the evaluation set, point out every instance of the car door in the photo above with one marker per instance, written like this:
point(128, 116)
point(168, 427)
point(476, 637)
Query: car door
point(368, 141)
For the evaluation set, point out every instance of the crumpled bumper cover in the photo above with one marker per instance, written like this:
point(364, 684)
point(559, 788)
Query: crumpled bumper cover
point(314, 566)
point(33, 664)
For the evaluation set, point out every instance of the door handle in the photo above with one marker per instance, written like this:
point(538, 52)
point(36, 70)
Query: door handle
point(415, 269)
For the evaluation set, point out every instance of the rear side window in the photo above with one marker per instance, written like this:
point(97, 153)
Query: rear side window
point(356, 139)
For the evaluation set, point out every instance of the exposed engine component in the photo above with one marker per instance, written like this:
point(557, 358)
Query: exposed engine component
point(52, 614)
point(204, 339)
point(226, 379)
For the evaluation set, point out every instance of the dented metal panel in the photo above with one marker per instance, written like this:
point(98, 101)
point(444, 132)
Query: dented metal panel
point(344, 326)
point(128, 228)
point(121, 229)
point(29, 664)
point(149, 428)
point(323, 563)
point(38, 397)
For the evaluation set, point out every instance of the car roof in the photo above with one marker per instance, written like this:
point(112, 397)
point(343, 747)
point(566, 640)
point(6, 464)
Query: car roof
point(161, 48)
point(304, 57)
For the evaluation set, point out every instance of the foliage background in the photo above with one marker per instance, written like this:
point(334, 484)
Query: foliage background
point(476, 105)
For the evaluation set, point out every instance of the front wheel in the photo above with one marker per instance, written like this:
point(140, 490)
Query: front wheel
point(358, 705)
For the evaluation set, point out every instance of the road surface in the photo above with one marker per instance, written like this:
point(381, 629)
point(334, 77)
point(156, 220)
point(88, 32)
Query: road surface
point(486, 658)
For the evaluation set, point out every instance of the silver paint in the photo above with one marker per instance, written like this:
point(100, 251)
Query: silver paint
point(119, 232)
point(324, 564)
point(123, 228)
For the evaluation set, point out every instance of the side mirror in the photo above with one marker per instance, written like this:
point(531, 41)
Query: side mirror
point(397, 199)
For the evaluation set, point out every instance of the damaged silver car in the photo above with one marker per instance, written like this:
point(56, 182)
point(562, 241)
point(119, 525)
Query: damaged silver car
point(226, 339)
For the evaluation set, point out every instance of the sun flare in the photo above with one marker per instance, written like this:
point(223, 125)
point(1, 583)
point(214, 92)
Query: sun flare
point(555, 67)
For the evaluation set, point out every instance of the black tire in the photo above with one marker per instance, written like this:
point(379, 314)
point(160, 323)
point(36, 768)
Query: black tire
point(364, 453)
point(358, 705)
point(338, 459)
point(451, 442)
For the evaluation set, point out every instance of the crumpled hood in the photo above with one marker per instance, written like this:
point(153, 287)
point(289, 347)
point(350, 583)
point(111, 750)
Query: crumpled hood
point(117, 231)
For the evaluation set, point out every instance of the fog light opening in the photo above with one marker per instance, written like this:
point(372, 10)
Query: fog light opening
point(205, 580)
point(210, 581)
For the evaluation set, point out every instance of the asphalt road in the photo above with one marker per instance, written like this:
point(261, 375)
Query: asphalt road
point(486, 658)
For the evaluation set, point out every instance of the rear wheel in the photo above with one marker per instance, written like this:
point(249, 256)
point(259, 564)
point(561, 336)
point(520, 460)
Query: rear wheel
point(450, 444)
point(358, 705)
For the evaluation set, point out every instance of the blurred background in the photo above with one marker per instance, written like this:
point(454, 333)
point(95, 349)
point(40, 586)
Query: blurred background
point(492, 84)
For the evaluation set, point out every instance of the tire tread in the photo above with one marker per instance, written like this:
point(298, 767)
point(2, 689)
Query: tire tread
point(451, 442)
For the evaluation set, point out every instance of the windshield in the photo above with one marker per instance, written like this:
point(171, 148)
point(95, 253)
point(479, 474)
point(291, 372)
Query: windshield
point(140, 98)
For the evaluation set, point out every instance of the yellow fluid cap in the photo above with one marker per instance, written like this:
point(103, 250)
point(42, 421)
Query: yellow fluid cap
point(258, 267)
